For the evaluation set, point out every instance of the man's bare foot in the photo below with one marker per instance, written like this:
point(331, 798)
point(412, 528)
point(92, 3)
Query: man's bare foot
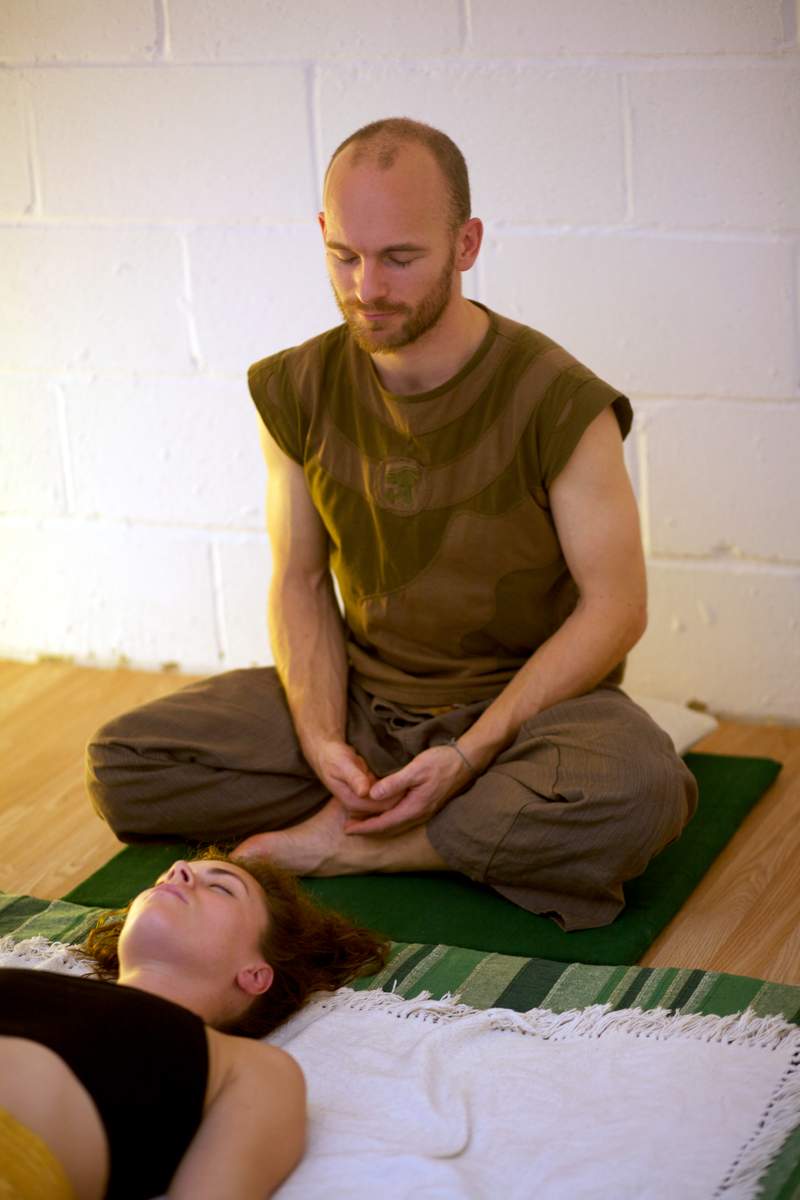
point(319, 846)
point(305, 848)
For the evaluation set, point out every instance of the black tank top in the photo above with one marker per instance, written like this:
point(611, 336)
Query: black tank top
point(142, 1059)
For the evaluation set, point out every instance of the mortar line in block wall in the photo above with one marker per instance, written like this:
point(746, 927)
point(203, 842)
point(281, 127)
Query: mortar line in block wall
point(163, 31)
point(186, 303)
point(790, 12)
point(727, 564)
point(220, 627)
point(627, 148)
point(314, 134)
point(34, 207)
point(236, 535)
point(109, 374)
point(497, 228)
point(124, 224)
point(795, 286)
point(659, 400)
point(65, 449)
point(781, 57)
point(500, 228)
point(465, 24)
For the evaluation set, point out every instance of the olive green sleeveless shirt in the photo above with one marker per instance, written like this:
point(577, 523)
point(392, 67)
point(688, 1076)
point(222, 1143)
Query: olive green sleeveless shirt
point(436, 505)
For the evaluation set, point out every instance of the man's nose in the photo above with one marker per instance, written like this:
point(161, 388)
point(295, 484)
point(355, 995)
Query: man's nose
point(180, 872)
point(370, 282)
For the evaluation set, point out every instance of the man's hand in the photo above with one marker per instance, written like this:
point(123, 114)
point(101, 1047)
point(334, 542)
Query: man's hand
point(346, 775)
point(413, 794)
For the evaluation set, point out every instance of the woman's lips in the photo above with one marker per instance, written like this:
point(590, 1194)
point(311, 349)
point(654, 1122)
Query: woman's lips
point(170, 887)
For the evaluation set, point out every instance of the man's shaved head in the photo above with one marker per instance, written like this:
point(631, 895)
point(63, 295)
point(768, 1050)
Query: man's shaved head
point(380, 143)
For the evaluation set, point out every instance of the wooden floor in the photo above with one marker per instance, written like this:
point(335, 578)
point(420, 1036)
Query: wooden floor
point(743, 918)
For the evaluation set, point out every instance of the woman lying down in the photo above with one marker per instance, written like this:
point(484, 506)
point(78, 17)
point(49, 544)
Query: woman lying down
point(142, 1081)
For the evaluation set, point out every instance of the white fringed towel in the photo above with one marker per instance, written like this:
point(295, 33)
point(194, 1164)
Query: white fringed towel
point(434, 1100)
point(429, 1099)
point(38, 954)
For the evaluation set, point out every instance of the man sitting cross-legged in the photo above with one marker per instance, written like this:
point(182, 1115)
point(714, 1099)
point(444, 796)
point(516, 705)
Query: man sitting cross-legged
point(462, 476)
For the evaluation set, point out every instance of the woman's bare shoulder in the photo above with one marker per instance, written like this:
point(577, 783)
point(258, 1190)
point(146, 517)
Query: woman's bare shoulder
point(243, 1058)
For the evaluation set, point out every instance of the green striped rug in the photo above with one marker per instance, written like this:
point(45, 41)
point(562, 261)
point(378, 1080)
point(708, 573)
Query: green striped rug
point(485, 979)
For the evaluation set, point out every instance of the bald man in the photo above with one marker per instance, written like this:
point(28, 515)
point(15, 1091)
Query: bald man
point(462, 478)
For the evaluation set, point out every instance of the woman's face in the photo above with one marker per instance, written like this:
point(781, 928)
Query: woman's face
point(209, 912)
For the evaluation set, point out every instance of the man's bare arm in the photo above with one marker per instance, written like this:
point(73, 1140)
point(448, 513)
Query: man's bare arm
point(597, 521)
point(598, 526)
point(306, 627)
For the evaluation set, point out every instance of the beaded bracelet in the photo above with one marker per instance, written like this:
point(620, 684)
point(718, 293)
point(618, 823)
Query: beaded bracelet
point(462, 755)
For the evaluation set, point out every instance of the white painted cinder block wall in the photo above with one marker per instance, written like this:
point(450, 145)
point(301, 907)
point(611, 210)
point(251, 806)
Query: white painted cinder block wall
point(637, 165)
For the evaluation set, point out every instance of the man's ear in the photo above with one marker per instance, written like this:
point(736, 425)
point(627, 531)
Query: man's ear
point(255, 980)
point(321, 219)
point(469, 243)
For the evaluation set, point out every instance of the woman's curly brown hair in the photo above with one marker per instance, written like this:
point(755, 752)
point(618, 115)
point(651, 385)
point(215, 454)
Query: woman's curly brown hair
point(309, 948)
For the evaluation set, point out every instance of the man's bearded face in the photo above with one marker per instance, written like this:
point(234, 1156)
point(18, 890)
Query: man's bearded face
point(405, 320)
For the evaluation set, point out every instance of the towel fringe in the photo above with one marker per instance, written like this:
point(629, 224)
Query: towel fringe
point(39, 954)
point(740, 1028)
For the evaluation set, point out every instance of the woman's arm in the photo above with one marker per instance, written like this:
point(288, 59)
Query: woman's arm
point(253, 1132)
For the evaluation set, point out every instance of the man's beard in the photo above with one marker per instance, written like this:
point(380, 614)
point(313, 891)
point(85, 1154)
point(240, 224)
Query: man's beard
point(418, 320)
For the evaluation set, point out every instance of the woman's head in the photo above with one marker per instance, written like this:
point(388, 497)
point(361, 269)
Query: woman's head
point(198, 935)
point(248, 927)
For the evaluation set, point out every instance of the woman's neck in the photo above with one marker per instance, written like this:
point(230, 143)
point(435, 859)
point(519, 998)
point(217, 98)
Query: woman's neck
point(160, 980)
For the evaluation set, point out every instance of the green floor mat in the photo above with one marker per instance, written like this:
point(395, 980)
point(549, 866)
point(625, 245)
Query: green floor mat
point(439, 907)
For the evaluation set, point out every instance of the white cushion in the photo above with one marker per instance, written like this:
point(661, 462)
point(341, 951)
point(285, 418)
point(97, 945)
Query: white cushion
point(684, 725)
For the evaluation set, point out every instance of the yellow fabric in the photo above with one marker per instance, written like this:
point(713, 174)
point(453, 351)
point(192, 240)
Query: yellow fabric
point(28, 1168)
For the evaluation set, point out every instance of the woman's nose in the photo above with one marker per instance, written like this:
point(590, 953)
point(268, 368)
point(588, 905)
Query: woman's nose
point(180, 872)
